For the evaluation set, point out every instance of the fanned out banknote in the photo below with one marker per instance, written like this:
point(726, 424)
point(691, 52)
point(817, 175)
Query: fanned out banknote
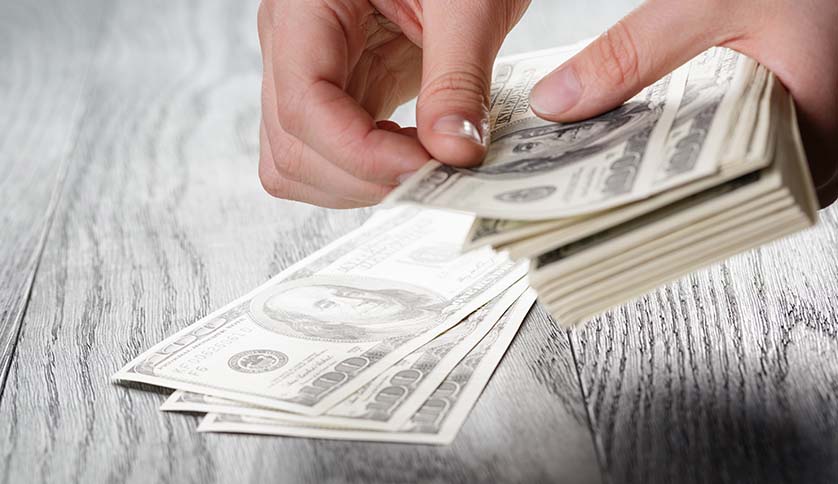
point(388, 401)
point(703, 164)
point(370, 334)
point(439, 418)
point(325, 327)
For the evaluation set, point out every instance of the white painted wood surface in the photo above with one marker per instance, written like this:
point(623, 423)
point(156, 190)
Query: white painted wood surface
point(151, 108)
point(45, 53)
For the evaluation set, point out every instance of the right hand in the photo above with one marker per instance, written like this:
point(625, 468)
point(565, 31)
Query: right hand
point(334, 70)
point(795, 39)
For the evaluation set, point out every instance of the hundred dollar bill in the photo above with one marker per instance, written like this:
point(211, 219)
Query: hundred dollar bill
point(440, 417)
point(536, 169)
point(717, 87)
point(329, 324)
point(667, 135)
point(389, 400)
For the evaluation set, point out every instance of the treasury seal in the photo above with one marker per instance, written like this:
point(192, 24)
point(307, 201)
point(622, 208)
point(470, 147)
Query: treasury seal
point(257, 361)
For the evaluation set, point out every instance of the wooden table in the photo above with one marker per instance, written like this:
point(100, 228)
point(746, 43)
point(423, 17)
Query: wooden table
point(131, 207)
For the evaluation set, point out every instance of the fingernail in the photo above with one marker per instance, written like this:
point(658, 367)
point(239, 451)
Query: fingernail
point(557, 92)
point(455, 125)
point(404, 176)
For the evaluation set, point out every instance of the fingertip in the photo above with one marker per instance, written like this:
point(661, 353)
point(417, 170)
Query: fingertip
point(556, 95)
point(388, 125)
point(384, 156)
point(456, 140)
point(454, 152)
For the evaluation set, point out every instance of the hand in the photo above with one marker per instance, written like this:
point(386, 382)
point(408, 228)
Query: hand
point(796, 39)
point(334, 70)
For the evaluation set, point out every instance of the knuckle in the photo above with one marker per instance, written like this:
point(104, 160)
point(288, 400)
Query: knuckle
point(349, 10)
point(275, 190)
point(619, 59)
point(287, 159)
point(405, 15)
point(287, 110)
point(359, 150)
point(292, 98)
point(365, 165)
point(272, 184)
point(469, 83)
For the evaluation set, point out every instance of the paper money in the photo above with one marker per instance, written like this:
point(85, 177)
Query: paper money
point(391, 332)
point(328, 325)
point(581, 279)
point(667, 135)
point(389, 400)
point(686, 148)
point(436, 422)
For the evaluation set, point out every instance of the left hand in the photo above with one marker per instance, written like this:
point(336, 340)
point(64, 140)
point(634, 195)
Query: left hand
point(334, 70)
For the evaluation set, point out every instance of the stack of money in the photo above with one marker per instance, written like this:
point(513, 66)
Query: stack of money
point(705, 163)
point(388, 334)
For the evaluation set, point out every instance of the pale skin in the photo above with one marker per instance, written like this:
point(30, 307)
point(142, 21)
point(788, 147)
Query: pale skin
point(334, 71)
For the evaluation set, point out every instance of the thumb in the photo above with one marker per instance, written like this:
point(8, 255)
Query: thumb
point(459, 45)
point(650, 42)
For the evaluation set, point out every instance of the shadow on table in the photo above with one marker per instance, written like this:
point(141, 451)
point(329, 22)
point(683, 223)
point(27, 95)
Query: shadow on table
point(710, 440)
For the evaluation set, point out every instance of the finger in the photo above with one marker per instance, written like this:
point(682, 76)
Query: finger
point(460, 42)
point(315, 47)
point(292, 159)
point(278, 186)
point(296, 162)
point(641, 48)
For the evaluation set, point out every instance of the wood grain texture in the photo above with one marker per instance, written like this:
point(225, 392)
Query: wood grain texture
point(46, 52)
point(728, 375)
point(161, 220)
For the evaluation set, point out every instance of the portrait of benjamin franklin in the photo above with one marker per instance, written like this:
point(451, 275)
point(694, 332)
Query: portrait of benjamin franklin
point(346, 309)
point(530, 151)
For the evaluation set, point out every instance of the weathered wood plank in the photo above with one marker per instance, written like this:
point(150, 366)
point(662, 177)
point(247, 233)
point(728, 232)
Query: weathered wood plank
point(161, 221)
point(45, 55)
point(729, 375)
